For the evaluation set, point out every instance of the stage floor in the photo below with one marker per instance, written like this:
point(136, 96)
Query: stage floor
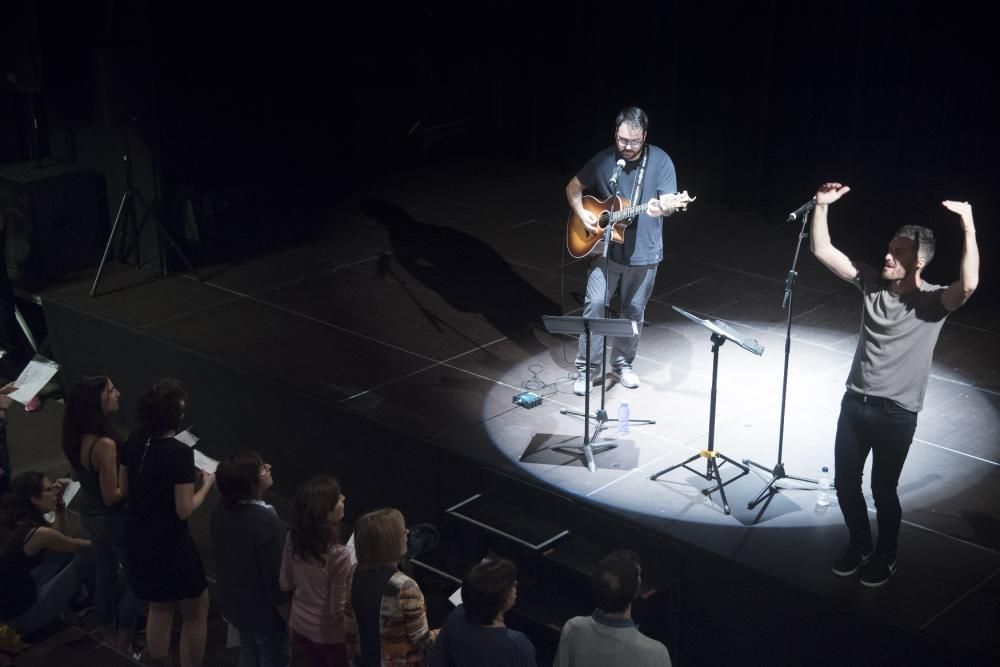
point(417, 306)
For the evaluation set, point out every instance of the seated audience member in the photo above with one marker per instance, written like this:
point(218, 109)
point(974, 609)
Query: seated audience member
point(608, 636)
point(315, 567)
point(385, 619)
point(249, 537)
point(474, 635)
point(92, 446)
point(165, 567)
point(42, 568)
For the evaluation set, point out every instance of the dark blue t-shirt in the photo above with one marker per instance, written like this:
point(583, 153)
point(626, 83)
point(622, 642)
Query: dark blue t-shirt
point(644, 237)
point(463, 643)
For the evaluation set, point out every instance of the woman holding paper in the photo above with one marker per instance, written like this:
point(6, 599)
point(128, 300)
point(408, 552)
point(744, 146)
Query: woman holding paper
point(164, 565)
point(92, 445)
point(42, 568)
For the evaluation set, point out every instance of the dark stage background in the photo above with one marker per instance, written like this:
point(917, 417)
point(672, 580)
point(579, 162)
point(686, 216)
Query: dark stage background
point(756, 102)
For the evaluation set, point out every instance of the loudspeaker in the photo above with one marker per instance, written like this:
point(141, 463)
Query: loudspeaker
point(55, 220)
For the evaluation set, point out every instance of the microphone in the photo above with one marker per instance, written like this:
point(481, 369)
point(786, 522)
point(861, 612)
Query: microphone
point(801, 210)
point(613, 181)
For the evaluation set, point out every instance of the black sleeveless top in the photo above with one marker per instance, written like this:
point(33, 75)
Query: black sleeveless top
point(91, 502)
point(17, 589)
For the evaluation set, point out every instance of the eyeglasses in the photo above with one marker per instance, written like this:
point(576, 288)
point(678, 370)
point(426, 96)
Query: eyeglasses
point(629, 143)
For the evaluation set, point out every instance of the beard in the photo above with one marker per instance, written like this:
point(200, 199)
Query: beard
point(897, 272)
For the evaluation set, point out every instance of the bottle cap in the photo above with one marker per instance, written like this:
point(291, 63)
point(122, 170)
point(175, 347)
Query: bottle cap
point(825, 469)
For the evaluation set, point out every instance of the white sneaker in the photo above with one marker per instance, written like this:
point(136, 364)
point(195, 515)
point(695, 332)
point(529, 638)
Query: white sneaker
point(580, 384)
point(627, 377)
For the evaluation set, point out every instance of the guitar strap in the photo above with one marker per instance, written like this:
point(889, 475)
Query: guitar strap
point(637, 186)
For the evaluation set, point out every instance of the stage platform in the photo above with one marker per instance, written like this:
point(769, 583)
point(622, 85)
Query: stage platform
point(381, 334)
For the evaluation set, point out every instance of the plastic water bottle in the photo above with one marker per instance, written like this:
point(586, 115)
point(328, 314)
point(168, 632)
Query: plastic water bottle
point(823, 488)
point(623, 418)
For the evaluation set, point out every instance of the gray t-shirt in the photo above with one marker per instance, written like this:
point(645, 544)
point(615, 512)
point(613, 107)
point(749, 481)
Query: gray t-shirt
point(898, 335)
point(644, 237)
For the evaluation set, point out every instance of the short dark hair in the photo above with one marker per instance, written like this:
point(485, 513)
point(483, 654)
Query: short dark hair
point(486, 588)
point(924, 236)
point(159, 408)
point(238, 476)
point(632, 116)
point(616, 581)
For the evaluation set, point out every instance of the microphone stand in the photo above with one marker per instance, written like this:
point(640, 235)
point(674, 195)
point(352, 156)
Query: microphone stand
point(601, 415)
point(778, 472)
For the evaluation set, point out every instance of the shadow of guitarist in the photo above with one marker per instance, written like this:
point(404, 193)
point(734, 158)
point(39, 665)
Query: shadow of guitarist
point(463, 270)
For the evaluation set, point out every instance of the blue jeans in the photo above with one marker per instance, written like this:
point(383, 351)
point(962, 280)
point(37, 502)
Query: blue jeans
point(107, 545)
point(635, 284)
point(58, 578)
point(885, 429)
point(263, 649)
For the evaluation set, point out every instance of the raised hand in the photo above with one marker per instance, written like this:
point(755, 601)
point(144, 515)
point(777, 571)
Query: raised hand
point(831, 192)
point(963, 208)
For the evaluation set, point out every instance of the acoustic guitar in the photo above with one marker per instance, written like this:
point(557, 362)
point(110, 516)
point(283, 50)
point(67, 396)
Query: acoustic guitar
point(615, 211)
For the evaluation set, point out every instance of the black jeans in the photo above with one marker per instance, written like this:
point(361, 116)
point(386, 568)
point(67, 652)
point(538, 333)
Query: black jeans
point(883, 427)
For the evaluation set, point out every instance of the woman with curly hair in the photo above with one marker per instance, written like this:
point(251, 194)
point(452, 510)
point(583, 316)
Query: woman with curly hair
point(315, 567)
point(164, 565)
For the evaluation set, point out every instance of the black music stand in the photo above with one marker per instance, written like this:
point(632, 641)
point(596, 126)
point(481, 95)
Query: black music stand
point(588, 326)
point(778, 472)
point(720, 333)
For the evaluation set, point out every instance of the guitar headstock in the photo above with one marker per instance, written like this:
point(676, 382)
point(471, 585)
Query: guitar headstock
point(679, 200)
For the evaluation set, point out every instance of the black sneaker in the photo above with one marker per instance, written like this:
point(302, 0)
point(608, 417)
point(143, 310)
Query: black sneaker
point(878, 572)
point(851, 559)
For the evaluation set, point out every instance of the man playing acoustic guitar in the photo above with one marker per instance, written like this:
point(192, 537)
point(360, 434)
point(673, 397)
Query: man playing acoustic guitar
point(630, 170)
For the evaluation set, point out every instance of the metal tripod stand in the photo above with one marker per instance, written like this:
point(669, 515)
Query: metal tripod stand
point(127, 226)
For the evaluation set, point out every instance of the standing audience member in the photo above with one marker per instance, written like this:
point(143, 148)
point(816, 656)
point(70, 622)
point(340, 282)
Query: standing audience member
point(42, 568)
point(609, 637)
point(249, 537)
point(474, 634)
point(92, 447)
point(315, 567)
point(164, 565)
point(385, 618)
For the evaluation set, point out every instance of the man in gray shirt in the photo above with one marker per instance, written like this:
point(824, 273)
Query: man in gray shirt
point(901, 319)
point(608, 636)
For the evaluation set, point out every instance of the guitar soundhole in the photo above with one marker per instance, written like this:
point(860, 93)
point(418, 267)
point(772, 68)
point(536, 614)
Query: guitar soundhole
point(604, 219)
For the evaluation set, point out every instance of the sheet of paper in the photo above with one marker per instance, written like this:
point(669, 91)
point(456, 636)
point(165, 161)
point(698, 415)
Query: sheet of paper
point(34, 376)
point(187, 437)
point(71, 490)
point(456, 597)
point(202, 462)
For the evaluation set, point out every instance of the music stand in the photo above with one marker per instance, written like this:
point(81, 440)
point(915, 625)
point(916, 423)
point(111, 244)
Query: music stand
point(588, 326)
point(720, 334)
point(126, 212)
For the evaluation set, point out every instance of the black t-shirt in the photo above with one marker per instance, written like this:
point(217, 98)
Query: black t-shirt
point(155, 466)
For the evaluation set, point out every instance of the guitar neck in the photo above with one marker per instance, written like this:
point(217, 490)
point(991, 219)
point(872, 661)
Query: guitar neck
point(627, 213)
